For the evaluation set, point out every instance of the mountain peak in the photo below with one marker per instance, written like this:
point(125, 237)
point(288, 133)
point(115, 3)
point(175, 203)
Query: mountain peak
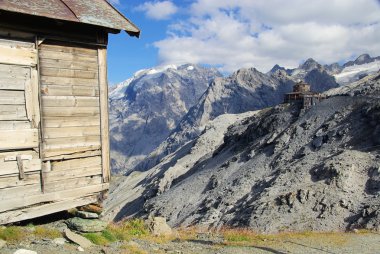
point(310, 64)
point(276, 68)
point(362, 59)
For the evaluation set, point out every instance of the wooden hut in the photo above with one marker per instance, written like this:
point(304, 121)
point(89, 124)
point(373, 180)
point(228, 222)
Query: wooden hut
point(54, 145)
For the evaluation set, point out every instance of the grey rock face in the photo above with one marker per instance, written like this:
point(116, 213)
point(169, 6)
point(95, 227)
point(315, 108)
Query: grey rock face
point(149, 108)
point(279, 169)
point(245, 90)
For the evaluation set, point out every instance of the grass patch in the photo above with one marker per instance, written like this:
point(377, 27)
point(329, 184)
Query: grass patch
point(12, 234)
point(127, 230)
point(44, 232)
point(97, 238)
point(124, 231)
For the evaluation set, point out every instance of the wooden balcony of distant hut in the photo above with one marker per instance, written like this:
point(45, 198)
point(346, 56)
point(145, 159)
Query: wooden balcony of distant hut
point(303, 95)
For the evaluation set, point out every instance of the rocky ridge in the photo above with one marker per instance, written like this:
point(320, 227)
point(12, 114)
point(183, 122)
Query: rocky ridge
point(147, 107)
point(278, 169)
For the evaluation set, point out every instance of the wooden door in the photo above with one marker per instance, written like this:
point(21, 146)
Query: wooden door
point(20, 163)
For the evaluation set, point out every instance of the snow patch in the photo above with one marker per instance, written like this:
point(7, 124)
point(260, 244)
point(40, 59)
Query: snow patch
point(353, 72)
point(190, 68)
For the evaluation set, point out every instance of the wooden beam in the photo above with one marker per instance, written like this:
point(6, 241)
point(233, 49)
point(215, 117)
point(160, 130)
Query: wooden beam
point(18, 139)
point(104, 122)
point(34, 199)
point(18, 56)
point(11, 167)
point(38, 211)
point(13, 113)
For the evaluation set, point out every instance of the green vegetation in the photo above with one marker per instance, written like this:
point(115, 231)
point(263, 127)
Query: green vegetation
point(124, 231)
point(11, 234)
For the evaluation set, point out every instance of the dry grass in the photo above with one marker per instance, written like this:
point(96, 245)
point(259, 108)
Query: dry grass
point(11, 234)
point(44, 232)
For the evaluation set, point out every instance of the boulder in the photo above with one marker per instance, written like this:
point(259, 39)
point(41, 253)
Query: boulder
point(59, 241)
point(158, 226)
point(87, 215)
point(86, 225)
point(78, 239)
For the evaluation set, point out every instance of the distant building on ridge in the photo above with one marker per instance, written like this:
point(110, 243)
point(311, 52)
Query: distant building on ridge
point(303, 94)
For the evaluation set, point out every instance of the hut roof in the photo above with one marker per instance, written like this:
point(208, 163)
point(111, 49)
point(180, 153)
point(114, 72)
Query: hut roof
point(93, 12)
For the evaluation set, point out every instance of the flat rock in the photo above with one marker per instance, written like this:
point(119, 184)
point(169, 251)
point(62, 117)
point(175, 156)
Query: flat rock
point(59, 241)
point(2, 243)
point(86, 225)
point(23, 251)
point(87, 215)
point(78, 239)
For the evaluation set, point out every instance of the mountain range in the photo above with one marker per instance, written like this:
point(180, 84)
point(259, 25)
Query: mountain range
point(160, 109)
point(276, 169)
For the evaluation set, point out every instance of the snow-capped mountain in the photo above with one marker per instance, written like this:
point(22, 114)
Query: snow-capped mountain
point(353, 71)
point(147, 107)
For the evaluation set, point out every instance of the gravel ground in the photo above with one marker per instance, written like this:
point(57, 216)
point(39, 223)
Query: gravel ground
point(364, 243)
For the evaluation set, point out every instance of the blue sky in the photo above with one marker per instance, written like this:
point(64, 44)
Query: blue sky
point(243, 33)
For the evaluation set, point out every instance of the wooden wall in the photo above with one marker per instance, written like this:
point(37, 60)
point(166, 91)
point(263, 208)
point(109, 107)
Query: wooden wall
point(54, 151)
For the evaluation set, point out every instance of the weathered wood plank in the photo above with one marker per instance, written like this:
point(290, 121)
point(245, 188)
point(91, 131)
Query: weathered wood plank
point(69, 101)
point(19, 192)
point(16, 43)
point(70, 153)
point(18, 139)
point(11, 167)
point(70, 111)
point(76, 163)
point(32, 99)
point(9, 83)
point(63, 132)
point(73, 183)
point(65, 64)
point(13, 113)
point(9, 97)
point(56, 122)
point(58, 90)
point(90, 142)
point(14, 181)
point(14, 71)
point(68, 56)
point(67, 73)
point(45, 80)
point(67, 49)
point(4, 156)
point(52, 197)
point(18, 56)
point(71, 174)
point(33, 212)
point(103, 83)
point(14, 125)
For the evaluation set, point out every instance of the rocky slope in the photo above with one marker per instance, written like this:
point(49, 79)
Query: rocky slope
point(147, 107)
point(277, 169)
point(244, 90)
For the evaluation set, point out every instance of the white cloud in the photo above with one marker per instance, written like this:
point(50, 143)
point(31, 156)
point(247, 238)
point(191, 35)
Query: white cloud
point(261, 33)
point(158, 10)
